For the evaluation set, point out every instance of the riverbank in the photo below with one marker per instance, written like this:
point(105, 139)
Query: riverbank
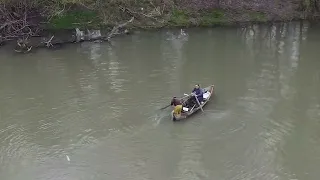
point(75, 21)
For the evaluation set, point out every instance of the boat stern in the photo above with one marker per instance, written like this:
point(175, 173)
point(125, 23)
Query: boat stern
point(173, 116)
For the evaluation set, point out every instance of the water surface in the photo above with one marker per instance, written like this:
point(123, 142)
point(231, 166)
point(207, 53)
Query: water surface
point(98, 104)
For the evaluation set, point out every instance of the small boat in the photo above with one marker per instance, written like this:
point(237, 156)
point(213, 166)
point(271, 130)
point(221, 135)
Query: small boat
point(189, 108)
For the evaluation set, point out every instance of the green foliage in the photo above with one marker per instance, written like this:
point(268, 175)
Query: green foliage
point(179, 18)
point(73, 19)
point(258, 16)
point(214, 17)
point(69, 14)
point(206, 18)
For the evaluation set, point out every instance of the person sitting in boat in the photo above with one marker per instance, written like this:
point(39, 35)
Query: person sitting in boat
point(198, 92)
point(177, 106)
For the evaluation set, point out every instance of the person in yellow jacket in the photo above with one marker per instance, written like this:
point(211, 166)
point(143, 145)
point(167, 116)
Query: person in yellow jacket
point(177, 106)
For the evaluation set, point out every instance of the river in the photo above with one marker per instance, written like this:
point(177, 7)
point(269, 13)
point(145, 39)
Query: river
point(90, 111)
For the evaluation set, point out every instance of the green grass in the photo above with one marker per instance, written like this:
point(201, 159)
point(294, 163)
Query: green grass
point(184, 18)
point(207, 18)
point(258, 16)
point(75, 19)
point(214, 17)
point(179, 18)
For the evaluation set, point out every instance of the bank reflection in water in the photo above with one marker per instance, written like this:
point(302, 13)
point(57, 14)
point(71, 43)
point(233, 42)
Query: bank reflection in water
point(306, 100)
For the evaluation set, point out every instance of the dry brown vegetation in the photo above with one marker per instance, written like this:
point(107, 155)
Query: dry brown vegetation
point(20, 19)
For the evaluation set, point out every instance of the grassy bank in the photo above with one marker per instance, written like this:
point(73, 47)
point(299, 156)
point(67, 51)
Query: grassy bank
point(181, 13)
point(174, 18)
point(29, 17)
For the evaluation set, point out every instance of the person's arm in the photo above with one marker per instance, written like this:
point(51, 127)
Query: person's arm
point(198, 92)
point(201, 91)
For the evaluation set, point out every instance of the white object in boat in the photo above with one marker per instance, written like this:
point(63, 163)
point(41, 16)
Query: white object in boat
point(206, 95)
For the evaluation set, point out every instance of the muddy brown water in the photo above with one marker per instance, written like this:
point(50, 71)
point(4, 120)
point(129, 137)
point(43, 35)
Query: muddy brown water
point(98, 104)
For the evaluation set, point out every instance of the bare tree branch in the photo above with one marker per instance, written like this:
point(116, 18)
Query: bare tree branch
point(115, 29)
point(48, 43)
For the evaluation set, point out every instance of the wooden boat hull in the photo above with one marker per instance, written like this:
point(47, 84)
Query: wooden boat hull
point(209, 91)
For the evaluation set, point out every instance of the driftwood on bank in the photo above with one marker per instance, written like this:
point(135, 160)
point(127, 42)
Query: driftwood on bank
point(23, 46)
point(20, 23)
point(115, 30)
point(96, 35)
point(27, 43)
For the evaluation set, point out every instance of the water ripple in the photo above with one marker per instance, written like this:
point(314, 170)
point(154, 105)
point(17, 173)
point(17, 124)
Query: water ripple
point(99, 106)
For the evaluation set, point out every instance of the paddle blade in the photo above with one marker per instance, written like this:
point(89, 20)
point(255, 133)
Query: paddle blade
point(165, 107)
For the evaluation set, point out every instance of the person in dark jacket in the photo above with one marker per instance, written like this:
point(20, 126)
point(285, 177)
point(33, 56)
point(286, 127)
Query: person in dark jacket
point(198, 92)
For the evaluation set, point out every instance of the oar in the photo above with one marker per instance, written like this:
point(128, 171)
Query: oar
point(185, 95)
point(198, 102)
point(165, 107)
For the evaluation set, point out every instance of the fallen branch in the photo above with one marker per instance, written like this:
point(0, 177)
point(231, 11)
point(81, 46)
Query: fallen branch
point(81, 36)
point(23, 45)
point(17, 21)
point(48, 43)
point(115, 29)
point(129, 11)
